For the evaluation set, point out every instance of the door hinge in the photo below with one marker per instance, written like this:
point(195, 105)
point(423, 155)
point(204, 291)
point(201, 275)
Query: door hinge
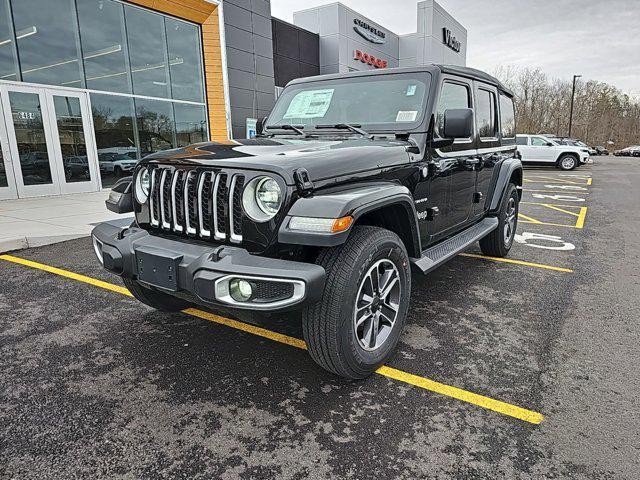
point(477, 196)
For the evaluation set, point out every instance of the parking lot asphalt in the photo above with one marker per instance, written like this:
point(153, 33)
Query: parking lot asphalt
point(94, 384)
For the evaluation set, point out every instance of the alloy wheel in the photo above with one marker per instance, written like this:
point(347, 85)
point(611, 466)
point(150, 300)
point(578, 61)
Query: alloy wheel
point(510, 221)
point(377, 305)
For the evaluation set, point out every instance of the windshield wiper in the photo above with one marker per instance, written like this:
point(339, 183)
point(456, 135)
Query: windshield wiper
point(286, 126)
point(347, 126)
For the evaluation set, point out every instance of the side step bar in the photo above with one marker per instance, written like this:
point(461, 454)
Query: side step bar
point(435, 256)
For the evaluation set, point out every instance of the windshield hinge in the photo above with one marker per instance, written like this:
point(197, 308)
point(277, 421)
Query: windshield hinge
point(303, 182)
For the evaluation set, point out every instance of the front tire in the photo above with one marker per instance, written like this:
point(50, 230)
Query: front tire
point(499, 241)
point(154, 298)
point(355, 327)
point(567, 162)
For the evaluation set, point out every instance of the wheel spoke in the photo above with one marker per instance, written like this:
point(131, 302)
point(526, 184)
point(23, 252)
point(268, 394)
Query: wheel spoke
point(375, 326)
point(384, 293)
point(363, 319)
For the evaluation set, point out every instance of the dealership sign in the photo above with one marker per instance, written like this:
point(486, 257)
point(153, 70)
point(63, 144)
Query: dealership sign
point(369, 59)
point(449, 40)
point(368, 32)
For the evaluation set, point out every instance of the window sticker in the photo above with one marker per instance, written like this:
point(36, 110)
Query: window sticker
point(310, 104)
point(411, 90)
point(406, 116)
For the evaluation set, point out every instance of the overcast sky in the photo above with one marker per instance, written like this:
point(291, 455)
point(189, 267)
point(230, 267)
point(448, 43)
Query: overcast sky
point(595, 38)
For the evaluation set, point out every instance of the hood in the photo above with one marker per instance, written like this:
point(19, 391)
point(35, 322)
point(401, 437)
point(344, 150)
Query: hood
point(323, 158)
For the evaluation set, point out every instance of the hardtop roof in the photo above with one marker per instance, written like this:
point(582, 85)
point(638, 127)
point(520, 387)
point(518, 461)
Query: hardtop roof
point(466, 72)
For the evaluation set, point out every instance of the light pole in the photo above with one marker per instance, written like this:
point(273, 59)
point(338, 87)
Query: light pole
point(573, 93)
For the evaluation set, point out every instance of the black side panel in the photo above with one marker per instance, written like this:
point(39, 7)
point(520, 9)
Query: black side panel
point(296, 52)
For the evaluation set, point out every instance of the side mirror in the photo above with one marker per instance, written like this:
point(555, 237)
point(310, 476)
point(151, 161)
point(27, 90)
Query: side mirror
point(549, 144)
point(458, 123)
point(260, 125)
point(121, 198)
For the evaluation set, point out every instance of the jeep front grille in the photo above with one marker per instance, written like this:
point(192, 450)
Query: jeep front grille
point(204, 204)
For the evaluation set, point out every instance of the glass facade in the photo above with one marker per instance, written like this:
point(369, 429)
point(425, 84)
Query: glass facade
point(120, 53)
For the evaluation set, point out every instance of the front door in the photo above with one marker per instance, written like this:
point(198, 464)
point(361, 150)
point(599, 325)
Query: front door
point(541, 150)
point(453, 186)
point(49, 140)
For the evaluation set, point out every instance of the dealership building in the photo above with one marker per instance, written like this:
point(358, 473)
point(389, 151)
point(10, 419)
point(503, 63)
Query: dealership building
point(88, 87)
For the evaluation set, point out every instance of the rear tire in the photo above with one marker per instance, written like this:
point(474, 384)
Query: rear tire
point(154, 298)
point(499, 241)
point(567, 162)
point(350, 331)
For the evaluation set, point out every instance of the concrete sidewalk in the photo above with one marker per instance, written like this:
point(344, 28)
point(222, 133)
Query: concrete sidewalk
point(32, 222)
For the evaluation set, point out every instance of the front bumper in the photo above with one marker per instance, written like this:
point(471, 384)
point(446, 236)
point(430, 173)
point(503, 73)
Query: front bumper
point(203, 274)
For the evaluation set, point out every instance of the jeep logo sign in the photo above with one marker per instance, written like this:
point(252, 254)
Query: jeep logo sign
point(368, 32)
point(449, 40)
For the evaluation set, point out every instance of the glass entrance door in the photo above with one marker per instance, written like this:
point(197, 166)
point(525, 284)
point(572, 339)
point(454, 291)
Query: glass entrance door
point(50, 140)
point(29, 141)
point(75, 153)
point(7, 182)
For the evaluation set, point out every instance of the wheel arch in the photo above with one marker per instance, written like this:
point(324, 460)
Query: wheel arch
point(384, 204)
point(510, 172)
point(573, 154)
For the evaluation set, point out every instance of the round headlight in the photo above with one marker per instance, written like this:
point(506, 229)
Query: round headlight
point(268, 195)
point(262, 199)
point(143, 184)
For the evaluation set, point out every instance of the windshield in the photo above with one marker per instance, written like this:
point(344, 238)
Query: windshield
point(394, 102)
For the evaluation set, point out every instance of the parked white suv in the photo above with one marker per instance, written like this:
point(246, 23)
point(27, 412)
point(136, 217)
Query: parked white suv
point(538, 149)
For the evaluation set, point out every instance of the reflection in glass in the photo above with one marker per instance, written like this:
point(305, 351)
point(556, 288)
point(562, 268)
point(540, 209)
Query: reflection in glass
point(185, 60)
point(72, 142)
point(3, 172)
point(103, 45)
point(191, 124)
point(7, 58)
point(47, 41)
point(114, 130)
point(147, 52)
point(32, 145)
point(155, 125)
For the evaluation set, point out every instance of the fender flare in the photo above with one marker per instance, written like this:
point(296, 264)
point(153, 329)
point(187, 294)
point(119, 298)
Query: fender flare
point(507, 169)
point(355, 201)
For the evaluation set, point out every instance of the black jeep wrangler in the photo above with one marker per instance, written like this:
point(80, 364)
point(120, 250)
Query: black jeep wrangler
point(355, 179)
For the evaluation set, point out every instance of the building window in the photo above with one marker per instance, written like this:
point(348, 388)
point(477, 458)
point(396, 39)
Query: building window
point(185, 60)
point(115, 133)
point(47, 46)
point(156, 128)
point(147, 52)
point(103, 45)
point(8, 64)
point(191, 124)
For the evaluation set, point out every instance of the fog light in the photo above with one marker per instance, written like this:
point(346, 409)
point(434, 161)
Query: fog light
point(240, 290)
point(97, 247)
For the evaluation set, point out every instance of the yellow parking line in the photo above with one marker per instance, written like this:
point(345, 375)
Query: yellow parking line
point(469, 397)
point(519, 262)
point(581, 217)
point(527, 218)
point(548, 224)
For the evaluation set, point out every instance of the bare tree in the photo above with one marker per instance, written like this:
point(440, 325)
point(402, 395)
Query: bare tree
point(602, 113)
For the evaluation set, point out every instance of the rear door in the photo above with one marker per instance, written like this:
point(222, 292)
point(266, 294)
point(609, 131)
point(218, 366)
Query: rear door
point(453, 185)
point(490, 152)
